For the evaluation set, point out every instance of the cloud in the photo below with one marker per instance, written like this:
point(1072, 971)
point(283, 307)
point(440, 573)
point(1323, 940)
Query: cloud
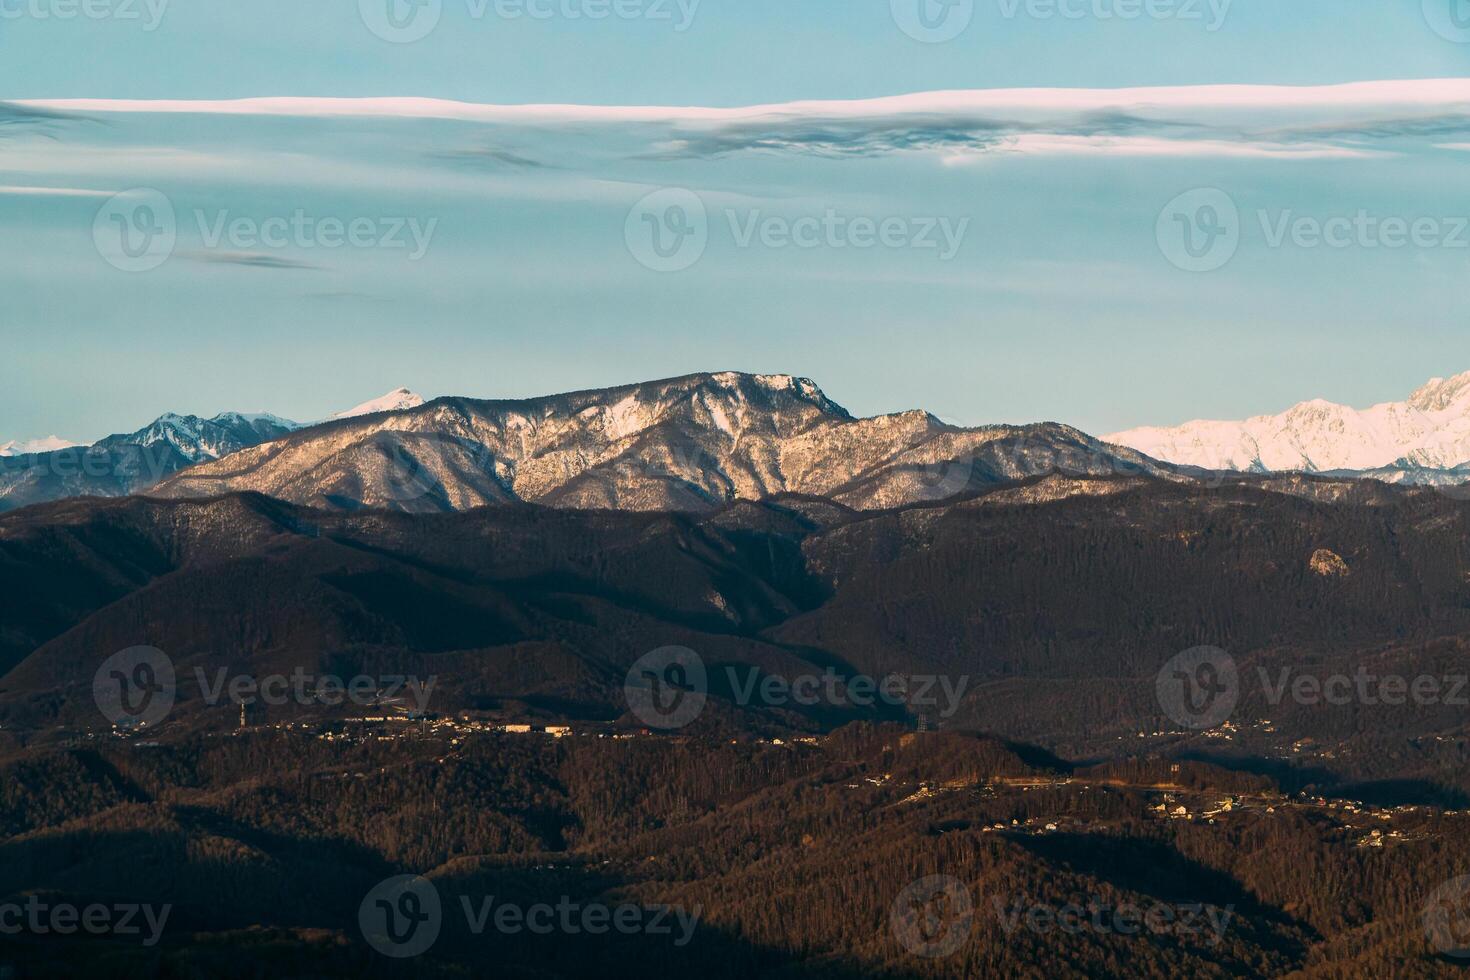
point(1406, 93)
point(1146, 146)
point(489, 156)
point(18, 117)
point(254, 260)
point(1269, 121)
point(7, 190)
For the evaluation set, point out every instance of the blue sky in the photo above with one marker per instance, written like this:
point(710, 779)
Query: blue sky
point(1056, 295)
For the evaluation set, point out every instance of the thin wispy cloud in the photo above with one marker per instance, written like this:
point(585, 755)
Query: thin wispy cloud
point(253, 260)
point(490, 157)
point(21, 119)
point(10, 190)
point(1145, 146)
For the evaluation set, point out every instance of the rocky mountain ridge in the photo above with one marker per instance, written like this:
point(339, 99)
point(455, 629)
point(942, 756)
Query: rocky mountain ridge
point(690, 443)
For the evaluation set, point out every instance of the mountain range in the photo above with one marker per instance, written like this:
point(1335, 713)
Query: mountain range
point(697, 442)
point(1410, 440)
point(131, 462)
point(689, 443)
point(46, 444)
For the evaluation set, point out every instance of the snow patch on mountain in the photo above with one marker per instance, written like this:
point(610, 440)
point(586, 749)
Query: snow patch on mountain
point(198, 440)
point(47, 444)
point(1430, 429)
point(396, 400)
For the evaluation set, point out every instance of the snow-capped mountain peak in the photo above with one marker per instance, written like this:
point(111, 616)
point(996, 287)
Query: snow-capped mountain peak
point(197, 439)
point(1431, 428)
point(1439, 394)
point(47, 444)
point(396, 400)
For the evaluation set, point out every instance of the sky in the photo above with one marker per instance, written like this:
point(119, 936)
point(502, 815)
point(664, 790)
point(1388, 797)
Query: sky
point(997, 210)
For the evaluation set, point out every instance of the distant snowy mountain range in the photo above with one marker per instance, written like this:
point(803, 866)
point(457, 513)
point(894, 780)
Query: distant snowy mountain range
point(54, 468)
point(691, 443)
point(200, 439)
point(1430, 431)
point(704, 440)
point(46, 444)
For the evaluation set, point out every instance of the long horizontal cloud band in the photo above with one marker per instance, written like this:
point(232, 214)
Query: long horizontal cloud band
point(1286, 121)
